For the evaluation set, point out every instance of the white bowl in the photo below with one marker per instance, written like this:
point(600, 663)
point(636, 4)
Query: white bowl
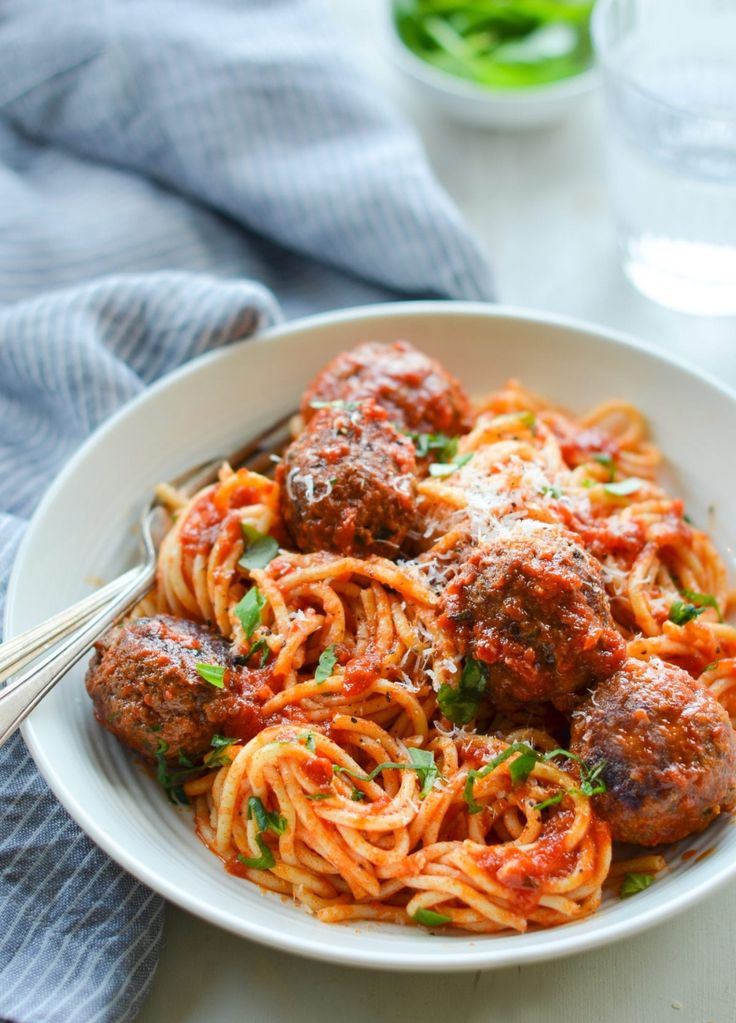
point(482, 106)
point(83, 529)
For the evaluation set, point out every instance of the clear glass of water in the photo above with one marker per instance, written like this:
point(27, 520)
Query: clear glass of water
point(669, 70)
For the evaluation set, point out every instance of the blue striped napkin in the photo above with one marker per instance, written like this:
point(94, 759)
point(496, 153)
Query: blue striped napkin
point(166, 168)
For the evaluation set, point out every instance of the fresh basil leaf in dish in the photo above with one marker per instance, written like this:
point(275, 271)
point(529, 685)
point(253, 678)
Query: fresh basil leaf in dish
point(212, 673)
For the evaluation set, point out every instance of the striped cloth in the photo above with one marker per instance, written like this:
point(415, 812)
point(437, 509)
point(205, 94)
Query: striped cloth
point(157, 159)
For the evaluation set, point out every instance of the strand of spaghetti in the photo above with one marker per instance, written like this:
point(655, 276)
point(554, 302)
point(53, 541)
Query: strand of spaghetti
point(287, 662)
point(376, 568)
point(274, 599)
point(457, 889)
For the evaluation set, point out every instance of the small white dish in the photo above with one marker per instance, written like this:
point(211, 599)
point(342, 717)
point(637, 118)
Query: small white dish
point(85, 528)
point(484, 107)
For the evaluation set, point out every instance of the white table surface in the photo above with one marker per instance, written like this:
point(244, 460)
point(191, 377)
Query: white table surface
point(538, 202)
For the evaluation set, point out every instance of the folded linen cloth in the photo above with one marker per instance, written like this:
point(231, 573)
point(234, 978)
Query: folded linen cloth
point(166, 166)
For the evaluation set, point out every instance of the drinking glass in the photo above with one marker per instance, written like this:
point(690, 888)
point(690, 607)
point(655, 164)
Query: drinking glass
point(669, 72)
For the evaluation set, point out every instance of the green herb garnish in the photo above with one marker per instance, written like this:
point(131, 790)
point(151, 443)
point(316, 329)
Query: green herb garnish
point(460, 703)
point(318, 795)
point(325, 665)
point(428, 918)
point(260, 646)
point(703, 600)
point(422, 761)
point(592, 783)
point(218, 757)
point(309, 742)
point(167, 779)
point(548, 491)
point(474, 774)
point(681, 613)
point(443, 446)
point(249, 610)
point(632, 884)
point(606, 460)
point(442, 469)
point(624, 487)
point(259, 548)
point(263, 862)
point(338, 403)
point(266, 820)
point(212, 673)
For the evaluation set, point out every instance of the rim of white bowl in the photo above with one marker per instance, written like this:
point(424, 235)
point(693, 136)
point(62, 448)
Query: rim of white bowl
point(488, 956)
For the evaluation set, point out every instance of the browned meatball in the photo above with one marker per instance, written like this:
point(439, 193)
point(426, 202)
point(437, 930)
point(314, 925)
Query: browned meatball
point(146, 689)
point(416, 391)
point(531, 605)
point(669, 749)
point(348, 484)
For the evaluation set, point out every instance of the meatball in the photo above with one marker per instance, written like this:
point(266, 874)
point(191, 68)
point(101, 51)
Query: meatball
point(531, 605)
point(416, 391)
point(348, 483)
point(669, 751)
point(146, 689)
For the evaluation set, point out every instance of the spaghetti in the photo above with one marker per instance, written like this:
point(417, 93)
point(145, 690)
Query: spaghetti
point(357, 794)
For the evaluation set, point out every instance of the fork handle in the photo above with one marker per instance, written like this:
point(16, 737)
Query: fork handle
point(17, 652)
point(21, 695)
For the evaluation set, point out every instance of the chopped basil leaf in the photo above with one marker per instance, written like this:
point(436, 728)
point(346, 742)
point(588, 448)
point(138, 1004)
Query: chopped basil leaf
point(428, 918)
point(634, 883)
point(422, 761)
point(511, 419)
point(592, 784)
point(263, 862)
point(624, 487)
point(444, 446)
point(551, 492)
point(473, 774)
point(221, 741)
point(325, 665)
point(460, 703)
point(261, 646)
point(552, 801)
point(212, 673)
point(427, 770)
point(587, 483)
point(309, 742)
point(249, 610)
point(687, 518)
point(606, 460)
point(357, 796)
point(703, 600)
point(259, 548)
point(681, 613)
point(185, 761)
point(265, 819)
point(338, 403)
point(218, 757)
point(447, 468)
point(523, 765)
point(169, 780)
point(318, 795)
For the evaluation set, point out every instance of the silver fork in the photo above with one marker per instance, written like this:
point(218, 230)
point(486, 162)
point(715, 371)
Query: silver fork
point(53, 647)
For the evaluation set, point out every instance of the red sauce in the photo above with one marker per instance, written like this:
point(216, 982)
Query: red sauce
point(585, 444)
point(200, 527)
point(689, 854)
point(360, 673)
point(527, 873)
point(235, 867)
point(319, 771)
